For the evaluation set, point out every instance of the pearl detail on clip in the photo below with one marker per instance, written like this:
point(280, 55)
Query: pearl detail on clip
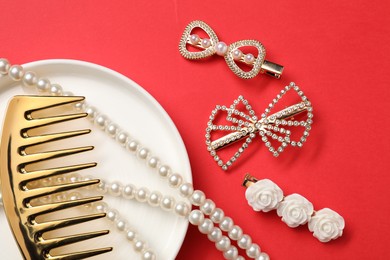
point(221, 48)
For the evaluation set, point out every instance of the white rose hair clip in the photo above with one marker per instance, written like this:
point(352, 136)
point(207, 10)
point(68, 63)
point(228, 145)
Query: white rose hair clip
point(232, 53)
point(277, 131)
point(294, 209)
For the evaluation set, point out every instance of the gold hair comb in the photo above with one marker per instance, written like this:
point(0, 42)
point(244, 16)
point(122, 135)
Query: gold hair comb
point(16, 174)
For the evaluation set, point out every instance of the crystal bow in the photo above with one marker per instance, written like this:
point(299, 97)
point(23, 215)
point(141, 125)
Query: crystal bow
point(231, 53)
point(269, 127)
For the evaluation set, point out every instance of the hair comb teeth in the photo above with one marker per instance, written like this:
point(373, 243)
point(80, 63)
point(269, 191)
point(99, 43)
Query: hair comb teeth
point(18, 196)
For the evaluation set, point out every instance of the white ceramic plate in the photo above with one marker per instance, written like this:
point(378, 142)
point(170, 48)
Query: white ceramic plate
point(135, 111)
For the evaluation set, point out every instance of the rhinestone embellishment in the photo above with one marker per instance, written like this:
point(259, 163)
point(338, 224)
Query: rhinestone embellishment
point(245, 125)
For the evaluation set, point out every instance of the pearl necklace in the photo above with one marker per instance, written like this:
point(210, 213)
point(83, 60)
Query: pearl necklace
point(205, 216)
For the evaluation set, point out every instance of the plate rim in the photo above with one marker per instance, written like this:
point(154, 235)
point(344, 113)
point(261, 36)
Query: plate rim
point(129, 84)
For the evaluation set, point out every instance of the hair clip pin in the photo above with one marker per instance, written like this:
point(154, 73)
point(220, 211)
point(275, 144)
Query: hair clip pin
point(232, 53)
point(294, 209)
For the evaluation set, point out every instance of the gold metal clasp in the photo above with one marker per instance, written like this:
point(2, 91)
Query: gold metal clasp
point(272, 69)
point(248, 180)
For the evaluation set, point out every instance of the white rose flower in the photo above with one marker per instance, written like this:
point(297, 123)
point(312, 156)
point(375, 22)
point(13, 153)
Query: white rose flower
point(295, 210)
point(264, 195)
point(326, 225)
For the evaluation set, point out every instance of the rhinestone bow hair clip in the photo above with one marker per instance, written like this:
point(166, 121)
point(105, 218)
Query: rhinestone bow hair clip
point(294, 209)
point(271, 128)
point(232, 53)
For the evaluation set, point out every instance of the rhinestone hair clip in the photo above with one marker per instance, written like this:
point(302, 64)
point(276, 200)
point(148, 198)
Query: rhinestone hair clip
point(17, 172)
point(269, 127)
point(232, 53)
point(294, 209)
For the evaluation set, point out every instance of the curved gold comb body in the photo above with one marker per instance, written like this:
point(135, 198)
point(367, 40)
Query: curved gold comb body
point(18, 196)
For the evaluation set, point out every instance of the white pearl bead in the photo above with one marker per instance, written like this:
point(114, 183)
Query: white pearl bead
point(237, 54)
point(244, 242)
point(223, 244)
point(74, 196)
point(206, 227)
point(88, 206)
point(235, 233)
point(87, 178)
point(100, 207)
point(16, 72)
point(112, 215)
point(143, 153)
point(139, 245)
point(206, 43)
point(121, 225)
point(240, 258)
point(60, 197)
point(196, 217)
point(43, 85)
point(167, 203)
point(4, 66)
point(198, 198)
point(131, 235)
point(263, 256)
point(164, 171)
point(208, 207)
point(79, 105)
point(29, 79)
point(102, 187)
point(46, 182)
point(115, 189)
point(148, 255)
point(175, 180)
point(122, 138)
point(91, 111)
point(249, 58)
point(194, 39)
point(253, 251)
point(67, 94)
point(74, 177)
point(182, 209)
point(221, 48)
point(217, 215)
point(111, 129)
point(226, 224)
point(55, 90)
point(100, 121)
point(132, 145)
point(154, 198)
point(142, 195)
point(152, 162)
point(128, 192)
point(186, 190)
point(215, 235)
point(1, 194)
point(46, 199)
point(231, 253)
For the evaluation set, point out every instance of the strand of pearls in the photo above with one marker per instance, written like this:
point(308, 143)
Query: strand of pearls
point(205, 217)
point(142, 194)
point(112, 215)
point(196, 197)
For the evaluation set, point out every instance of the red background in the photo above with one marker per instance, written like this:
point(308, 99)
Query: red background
point(336, 51)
